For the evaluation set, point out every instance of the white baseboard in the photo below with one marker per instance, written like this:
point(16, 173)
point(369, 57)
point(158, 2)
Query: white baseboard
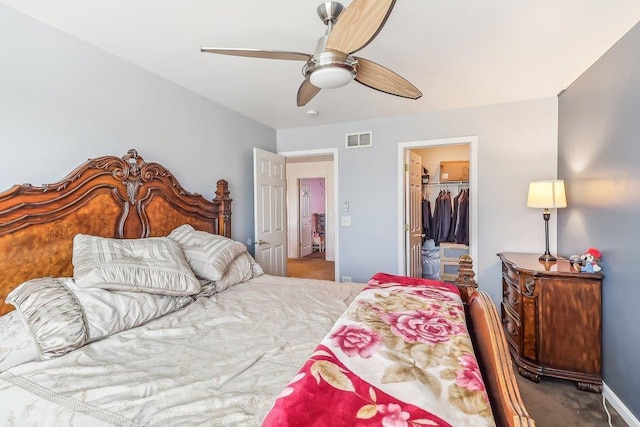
point(620, 407)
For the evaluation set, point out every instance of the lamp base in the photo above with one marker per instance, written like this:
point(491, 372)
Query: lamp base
point(547, 258)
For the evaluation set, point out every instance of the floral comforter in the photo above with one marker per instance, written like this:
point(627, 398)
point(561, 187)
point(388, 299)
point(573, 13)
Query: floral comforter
point(400, 355)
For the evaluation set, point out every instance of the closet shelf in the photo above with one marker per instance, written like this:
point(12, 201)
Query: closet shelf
point(450, 245)
point(450, 261)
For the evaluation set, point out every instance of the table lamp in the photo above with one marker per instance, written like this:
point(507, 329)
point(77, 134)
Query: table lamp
point(547, 195)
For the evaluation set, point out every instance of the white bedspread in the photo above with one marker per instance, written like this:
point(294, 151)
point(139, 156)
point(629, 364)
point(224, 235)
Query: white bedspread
point(220, 361)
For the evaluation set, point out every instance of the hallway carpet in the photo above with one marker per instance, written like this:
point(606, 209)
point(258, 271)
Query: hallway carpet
point(551, 403)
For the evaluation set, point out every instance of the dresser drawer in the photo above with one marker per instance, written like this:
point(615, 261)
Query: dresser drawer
point(511, 297)
point(510, 276)
point(511, 326)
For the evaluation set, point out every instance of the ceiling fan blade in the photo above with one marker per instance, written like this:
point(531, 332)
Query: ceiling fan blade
point(259, 53)
point(306, 92)
point(358, 24)
point(380, 78)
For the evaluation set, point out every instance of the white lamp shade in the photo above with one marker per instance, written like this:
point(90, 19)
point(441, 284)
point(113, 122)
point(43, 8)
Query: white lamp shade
point(547, 194)
point(330, 77)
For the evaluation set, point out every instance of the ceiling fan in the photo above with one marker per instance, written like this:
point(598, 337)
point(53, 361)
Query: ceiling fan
point(332, 64)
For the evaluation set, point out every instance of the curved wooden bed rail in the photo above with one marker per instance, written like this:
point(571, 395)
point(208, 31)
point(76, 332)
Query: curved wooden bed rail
point(491, 350)
point(116, 197)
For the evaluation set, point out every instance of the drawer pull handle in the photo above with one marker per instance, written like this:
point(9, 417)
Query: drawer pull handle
point(530, 287)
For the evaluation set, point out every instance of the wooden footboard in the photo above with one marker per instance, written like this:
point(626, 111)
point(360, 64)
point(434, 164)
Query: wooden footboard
point(493, 356)
point(491, 350)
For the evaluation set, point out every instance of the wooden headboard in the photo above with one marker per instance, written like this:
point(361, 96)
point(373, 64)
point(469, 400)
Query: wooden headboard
point(107, 196)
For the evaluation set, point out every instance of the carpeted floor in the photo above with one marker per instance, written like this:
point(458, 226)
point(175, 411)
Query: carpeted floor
point(552, 402)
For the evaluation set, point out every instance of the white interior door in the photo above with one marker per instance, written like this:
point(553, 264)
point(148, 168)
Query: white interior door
point(304, 218)
point(269, 194)
point(414, 215)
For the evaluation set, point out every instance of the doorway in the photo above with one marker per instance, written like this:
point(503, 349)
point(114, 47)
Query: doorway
point(456, 147)
point(311, 217)
point(311, 179)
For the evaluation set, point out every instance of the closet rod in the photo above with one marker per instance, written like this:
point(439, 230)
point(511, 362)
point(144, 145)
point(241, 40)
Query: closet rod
point(447, 183)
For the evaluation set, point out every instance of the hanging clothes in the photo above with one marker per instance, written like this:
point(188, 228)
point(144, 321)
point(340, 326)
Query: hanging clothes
point(462, 226)
point(451, 237)
point(426, 218)
point(441, 221)
point(450, 219)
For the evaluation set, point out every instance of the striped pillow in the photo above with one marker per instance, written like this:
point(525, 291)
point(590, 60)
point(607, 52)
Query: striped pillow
point(154, 265)
point(209, 255)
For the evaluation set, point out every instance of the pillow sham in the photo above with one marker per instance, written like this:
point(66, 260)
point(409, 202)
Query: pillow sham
point(63, 317)
point(153, 265)
point(52, 314)
point(256, 269)
point(239, 271)
point(209, 255)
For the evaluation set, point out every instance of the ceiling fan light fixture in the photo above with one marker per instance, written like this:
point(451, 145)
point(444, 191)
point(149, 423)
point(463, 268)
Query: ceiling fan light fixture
point(331, 77)
point(330, 69)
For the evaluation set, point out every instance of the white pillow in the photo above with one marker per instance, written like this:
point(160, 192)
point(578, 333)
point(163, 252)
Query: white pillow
point(53, 315)
point(209, 255)
point(62, 317)
point(239, 271)
point(154, 265)
point(256, 269)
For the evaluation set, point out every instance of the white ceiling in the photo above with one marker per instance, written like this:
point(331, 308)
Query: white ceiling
point(459, 53)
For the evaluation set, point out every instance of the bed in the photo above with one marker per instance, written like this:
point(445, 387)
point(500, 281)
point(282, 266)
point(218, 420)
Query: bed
point(239, 348)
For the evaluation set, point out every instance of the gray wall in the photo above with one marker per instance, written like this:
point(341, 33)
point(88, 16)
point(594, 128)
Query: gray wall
point(599, 157)
point(63, 101)
point(517, 143)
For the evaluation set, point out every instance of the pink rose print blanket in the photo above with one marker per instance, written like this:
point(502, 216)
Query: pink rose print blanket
point(399, 356)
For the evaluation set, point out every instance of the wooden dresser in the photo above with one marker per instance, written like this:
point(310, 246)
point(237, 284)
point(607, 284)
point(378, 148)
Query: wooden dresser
point(552, 318)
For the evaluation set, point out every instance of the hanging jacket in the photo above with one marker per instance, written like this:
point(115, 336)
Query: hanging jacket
point(451, 237)
point(426, 219)
point(462, 229)
point(443, 221)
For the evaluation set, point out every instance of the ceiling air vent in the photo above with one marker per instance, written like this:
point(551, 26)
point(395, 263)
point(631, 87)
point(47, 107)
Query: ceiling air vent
point(358, 140)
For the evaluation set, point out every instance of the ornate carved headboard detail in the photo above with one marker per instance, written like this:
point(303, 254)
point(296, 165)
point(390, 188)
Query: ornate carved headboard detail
point(106, 196)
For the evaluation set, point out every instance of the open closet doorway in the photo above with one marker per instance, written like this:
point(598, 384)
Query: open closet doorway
point(311, 204)
point(437, 206)
point(311, 217)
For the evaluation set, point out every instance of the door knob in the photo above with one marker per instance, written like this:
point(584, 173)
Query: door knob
point(253, 242)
